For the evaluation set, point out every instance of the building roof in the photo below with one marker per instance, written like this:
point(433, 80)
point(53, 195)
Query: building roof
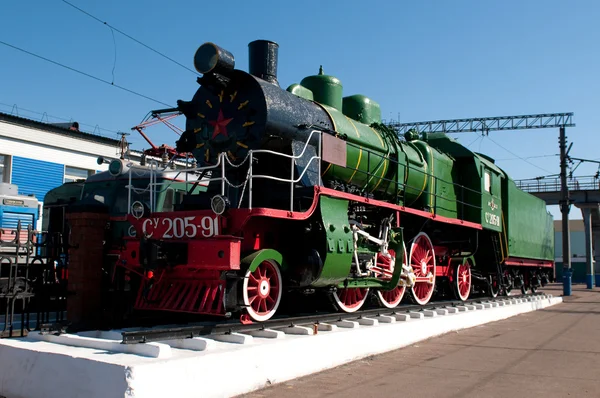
point(71, 130)
point(58, 128)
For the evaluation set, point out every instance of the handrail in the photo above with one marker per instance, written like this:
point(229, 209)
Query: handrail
point(222, 161)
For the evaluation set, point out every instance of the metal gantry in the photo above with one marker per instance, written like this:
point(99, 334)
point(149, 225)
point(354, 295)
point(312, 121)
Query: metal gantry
point(552, 184)
point(522, 122)
point(487, 124)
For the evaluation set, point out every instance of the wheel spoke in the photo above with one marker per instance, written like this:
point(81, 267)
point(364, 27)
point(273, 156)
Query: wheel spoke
point(352, 299)
point(419, 289)
point(343, 295)
point(418, 253)
point(422, 291)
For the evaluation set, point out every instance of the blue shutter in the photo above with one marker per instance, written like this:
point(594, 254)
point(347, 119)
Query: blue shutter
point(10, 220)
point(36, 176)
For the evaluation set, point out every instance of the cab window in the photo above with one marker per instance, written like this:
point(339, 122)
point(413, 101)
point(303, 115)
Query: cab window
point(168, 205)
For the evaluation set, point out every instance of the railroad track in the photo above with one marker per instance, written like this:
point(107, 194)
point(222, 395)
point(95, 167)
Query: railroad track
point(162, 333)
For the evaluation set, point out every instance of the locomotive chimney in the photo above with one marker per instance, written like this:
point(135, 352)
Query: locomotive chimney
point(263, 60)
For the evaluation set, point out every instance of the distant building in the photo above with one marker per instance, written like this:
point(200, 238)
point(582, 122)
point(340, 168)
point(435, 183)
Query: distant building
point(578, 260)
point(38, 156)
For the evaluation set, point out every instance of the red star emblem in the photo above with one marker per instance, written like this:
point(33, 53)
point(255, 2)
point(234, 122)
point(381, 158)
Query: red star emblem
point(220, 125)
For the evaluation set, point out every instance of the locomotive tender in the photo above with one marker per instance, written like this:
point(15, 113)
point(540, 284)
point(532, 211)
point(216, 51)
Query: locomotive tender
point(308, 191)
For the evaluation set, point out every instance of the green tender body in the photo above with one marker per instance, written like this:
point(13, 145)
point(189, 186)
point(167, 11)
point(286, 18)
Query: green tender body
point(468, 199)
point(491, 202)
point(529, 227)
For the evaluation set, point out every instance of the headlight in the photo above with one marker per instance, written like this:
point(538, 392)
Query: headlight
point(219, 204)
point(137, 209)
point(115, 167)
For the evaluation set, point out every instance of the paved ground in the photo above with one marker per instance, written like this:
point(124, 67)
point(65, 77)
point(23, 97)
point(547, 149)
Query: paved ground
point(549, 353)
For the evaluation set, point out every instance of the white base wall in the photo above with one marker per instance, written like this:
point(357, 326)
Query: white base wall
point(43, 366)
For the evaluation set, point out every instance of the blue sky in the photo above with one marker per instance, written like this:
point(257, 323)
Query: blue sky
point(421, 60)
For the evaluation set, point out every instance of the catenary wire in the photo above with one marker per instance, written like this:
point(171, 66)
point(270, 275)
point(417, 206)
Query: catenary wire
point(112, 31)
point(528, 157)
point(86, 74)
point(523, 159)
point(474, 141)
point(130, 37)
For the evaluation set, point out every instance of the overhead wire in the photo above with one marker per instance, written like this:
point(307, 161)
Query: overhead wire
point(86, 74)
point(474, 141)
point(528, 157)
point(115, 57)
point(520, 157)
point(130, 37)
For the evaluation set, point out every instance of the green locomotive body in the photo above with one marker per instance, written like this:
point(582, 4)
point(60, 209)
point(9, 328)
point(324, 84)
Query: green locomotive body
point(434, 173)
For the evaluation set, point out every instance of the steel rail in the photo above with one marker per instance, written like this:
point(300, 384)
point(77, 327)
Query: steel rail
point(211, 328)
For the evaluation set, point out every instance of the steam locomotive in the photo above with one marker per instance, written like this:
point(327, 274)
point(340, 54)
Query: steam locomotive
point(308, 191)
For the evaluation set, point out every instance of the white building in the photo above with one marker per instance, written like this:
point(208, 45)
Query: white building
point(38, 156)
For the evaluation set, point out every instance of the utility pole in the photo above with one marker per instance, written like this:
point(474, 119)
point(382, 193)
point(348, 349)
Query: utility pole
point(564, 208)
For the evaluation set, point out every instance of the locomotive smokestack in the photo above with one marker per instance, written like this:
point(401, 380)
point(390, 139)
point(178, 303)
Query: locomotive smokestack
point(263, 60)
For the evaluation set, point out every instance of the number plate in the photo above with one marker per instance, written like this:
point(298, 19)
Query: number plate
point(181, 227)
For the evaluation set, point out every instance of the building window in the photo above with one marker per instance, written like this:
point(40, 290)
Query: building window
point(75, 173)
point(4, 168)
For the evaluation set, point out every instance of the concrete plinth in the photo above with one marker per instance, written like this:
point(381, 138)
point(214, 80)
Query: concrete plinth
point(76, 366)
